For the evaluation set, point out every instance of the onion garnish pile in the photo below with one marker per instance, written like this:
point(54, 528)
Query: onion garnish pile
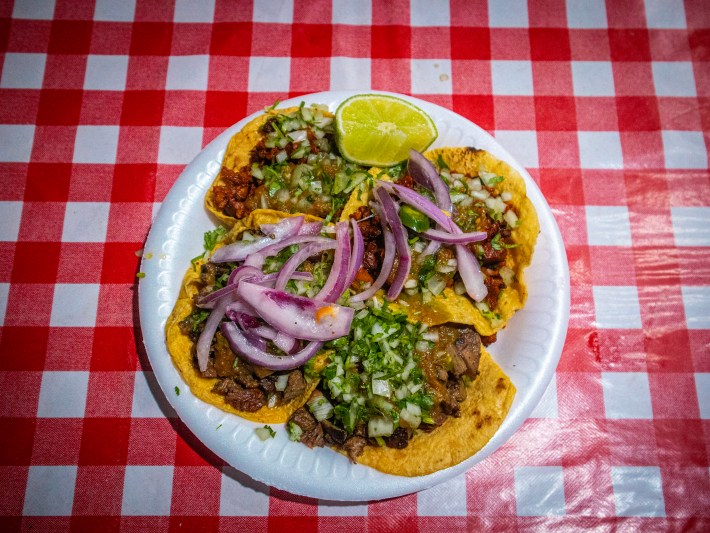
point(258, 308)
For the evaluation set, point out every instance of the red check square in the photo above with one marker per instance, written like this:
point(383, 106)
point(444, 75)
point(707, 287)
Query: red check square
point(69, 348)
point(100, 107)
point(184, 108)
point(120, 264)
point(549, 44)
point(152, 442)
point(222, 108)
point(111, 38)
point(113, 349)
point(555, 113)
point(311, 40)
point(29, 36)
point(16, 436)
point(70, 37)
point(191, 39)
point(470, 43)
point(432, 43)
point(142, 108)
point(137, 144)
point(638, 114)
point(231, 39)
point(552, 78)
point(510, 43)
point(271, 40)
point(23, 348)
point(118, 403)
point(352, 41)
point(64, 72)
point(478, 108)
point(104, 441)
point(589, 45)
point(596, 114)
point(190, 451)
point(91, 481)
point(391, 42)
point(59, 107)
point(20, 106)
point(629, 45)
point(28, 255)
point(191, 480)
point(53, 144)
point(7, 260)
point(151, 38)
point(514, 113)
point(47, 182)
point(133, 183)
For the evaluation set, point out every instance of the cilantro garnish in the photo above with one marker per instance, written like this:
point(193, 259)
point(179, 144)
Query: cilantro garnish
point(213, 237)
point(177, 390)
point(497, 244)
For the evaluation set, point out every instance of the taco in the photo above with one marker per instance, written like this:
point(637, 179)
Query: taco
point(286, 160)
point(486, 200)
point(227, 381)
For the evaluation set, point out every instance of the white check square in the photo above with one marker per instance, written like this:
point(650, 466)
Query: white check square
point(592, 78)
point(512, 78)
point(148, 399)
point(445, 499)
point(696, 303)
point(539, 491)
point(74, 305)
point(673, 78)
point(336, 508)
point(586, 14)
point(269, 74)
point(194, 11)
point(273, 11)
point(608, 225)
point(508, 13)
point(522, 144)
point(16, 143)
point(96, 144)
point(350, 73)
point(702, 386)
point(616, 307)
point(50, 491)
point(85, 222)
point(684, 149)
point(63, 394)
point(241, 495)
point(352, 13)
point(665, 14)
point(431, 76)
point(691, 226)
point(10, 218)
point(187, 73)
point(111, 10)
point(23, 71)
point(627, 395)
point(178, 145)
point(4, 292)
point(106, 73)
point(147, 491)
point(429, 13)
point(33, 9)
point(600, 149)
point(638, 491)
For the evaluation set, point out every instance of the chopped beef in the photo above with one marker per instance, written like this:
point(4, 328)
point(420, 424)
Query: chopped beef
point(450, 407)
point(295, 386)
point(210, 371)
point(268, 385)
point(354, 447)
point(235, 189)
point(372, 258)
point(243, 376)
point(494, 286)
point(261, 372)
point(312, 435)
point(442, 374)
point(438, 418)
point(406, 181)
point(468, 346)
point(223, 357)
point(371, 230)
point(458, 365)
point(399, 439)
point(457, 390)
point(333, 434)
point(249, 400)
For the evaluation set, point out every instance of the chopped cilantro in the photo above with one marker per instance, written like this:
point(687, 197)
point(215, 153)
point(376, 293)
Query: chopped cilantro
point(272, 106)
point(218, 427)
point(497, 244)
point(195, 259)
point(177, 390)
point(140, 275)
point(494, 181)
point(213, 237)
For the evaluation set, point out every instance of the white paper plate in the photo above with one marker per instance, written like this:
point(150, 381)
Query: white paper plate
point(528, 349)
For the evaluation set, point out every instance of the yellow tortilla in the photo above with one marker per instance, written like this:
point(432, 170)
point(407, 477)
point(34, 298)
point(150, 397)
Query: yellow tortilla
point(180, 345)
point(487, 404)
point(238, 154)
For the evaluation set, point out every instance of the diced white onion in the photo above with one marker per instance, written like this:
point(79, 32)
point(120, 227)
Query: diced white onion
point(281, 382)
point(263, 433)
point(496, 204)
point(432, 336)
point(511, 218)
point(320, 407)
point(379, 426)
point(281, 156)
point(481, 194)
point(410, 283)
point(298, 135)
point(420, 346)
point(409, 419)
point(507, 196)
point(436, 284)
point(381, 387)
point(474, 184)
point(459, 288)
point(507, 274)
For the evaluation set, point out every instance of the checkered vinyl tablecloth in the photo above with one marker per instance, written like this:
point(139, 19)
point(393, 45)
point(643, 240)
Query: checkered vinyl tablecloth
point(607, 104)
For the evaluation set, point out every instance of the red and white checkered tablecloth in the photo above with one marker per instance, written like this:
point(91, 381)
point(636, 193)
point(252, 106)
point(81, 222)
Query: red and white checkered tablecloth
point(606, 103)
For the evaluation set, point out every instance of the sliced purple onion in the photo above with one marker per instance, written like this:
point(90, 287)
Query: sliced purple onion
point(257, 259)
point(470, 272)
point(297, 316)
point(243, 272)
point(286, 227)
point(419, 202)
point(424, 172)
point(387, 263)
point(311, 228)
point(285, 343)
point(389, 210)
point(357, 255)
point(208, 301)
point(335, 284)
point(258, 356)
point(287, 272)
point(431, 248)
point(238, 251)
point(454, 238)
point(205, 341)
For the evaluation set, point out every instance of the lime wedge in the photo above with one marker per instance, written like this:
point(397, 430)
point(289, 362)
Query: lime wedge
point(378, 130)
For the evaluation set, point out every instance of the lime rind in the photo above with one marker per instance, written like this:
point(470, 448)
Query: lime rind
point(386, 145)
